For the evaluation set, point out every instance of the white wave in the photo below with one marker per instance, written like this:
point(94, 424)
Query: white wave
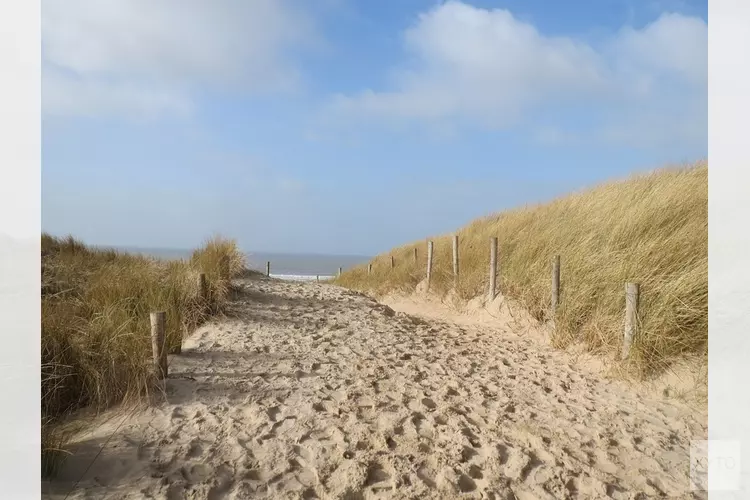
point(301, 277)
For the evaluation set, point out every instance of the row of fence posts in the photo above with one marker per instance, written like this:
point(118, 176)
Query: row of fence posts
point(632, 290)
point(632, 299)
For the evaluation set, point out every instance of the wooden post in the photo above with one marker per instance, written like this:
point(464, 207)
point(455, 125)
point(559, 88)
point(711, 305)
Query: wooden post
point(493, 267)
point(415, 254)
point(369, 268)
point(555, 283)
point(158, 341)
point(632, 297)
point(429, 263)
point(455, 260)
point(393, 262)
point(224, 268)
point(268, 268)
point(339, 272)
point(203, 287)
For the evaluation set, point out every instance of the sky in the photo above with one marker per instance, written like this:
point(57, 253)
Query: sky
point(352, 126)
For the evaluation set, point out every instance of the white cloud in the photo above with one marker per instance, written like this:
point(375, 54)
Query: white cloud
point(114, 56)
point(481, 64)
point(674, 46)
point(66, 95)
point(478, 66)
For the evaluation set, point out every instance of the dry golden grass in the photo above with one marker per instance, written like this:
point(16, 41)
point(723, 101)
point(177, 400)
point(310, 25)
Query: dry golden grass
point(651, 229)
point(96, 345)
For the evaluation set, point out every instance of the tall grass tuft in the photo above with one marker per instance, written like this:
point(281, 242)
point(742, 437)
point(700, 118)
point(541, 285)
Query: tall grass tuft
point(651, 229)
point(96, 346)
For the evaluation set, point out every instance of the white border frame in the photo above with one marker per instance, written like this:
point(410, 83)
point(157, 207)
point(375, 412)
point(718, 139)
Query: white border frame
point(20, 225)
point(729, 237)
point(729, 232)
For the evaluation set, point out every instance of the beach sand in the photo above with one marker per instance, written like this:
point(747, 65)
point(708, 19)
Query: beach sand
point(307, 390)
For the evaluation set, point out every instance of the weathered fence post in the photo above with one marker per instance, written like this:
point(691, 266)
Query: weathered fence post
point(415, 254)
point(393, 262)
point(455, 260)
point(555, 283)
point(339, 272)
point(268, 268)
point(158, 343)
point(203, 287)
point(369, 268)
point(493, 267)
point(224, 268)
point(429, 263)
point(632, 298)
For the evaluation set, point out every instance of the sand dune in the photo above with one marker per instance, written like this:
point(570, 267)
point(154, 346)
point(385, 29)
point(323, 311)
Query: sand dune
point(308, 391)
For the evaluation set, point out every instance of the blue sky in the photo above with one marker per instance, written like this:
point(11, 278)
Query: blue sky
point(349, 127)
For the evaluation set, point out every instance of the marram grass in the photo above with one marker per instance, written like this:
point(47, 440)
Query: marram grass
point(651, 229)
point(96, 343)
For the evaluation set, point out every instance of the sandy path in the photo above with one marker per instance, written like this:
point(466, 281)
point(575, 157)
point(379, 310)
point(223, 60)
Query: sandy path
point(311, 391)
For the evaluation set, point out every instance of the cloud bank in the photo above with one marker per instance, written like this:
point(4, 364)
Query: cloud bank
point(475, 66)
point(144, 58)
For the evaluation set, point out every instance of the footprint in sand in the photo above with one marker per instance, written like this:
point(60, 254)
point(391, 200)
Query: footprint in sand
point(195, 449)
point(466, 484)
point(273, 413)
point(429, 404)
point(422, 425)
point(222, 483)
point(471, 437)
point(378, 478)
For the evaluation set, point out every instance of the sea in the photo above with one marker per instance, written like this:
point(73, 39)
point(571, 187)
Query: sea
point(288, 266)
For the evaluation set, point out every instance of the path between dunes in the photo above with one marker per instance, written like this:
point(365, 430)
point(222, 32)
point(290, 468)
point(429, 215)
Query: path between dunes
point(308, 390)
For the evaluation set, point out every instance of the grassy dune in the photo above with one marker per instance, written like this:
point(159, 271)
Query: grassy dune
point(651, 229)
point(96, 345)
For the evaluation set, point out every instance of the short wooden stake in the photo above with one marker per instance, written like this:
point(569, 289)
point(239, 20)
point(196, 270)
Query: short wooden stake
point(555, 283)
point(415, 254)
point(369, 268)
point(158, 341)
point(203, 287)
point(455, 260)
point(224, 268)
point(429, 263)
point(632, 298)
point(493, 267)
point(393, 262)
point(268, 268)
point(339, 272)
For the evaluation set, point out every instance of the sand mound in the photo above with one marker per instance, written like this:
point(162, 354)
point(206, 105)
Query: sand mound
point(307, 391)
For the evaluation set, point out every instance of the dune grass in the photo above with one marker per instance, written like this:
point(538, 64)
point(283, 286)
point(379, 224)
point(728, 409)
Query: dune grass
point(651, 229)
point(96, 345)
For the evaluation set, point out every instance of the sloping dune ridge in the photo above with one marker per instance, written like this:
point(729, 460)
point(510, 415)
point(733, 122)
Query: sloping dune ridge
point(308, 390)
point(650, 229)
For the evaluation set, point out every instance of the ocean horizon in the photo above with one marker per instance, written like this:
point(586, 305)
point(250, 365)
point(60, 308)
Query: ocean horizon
point(291, 266)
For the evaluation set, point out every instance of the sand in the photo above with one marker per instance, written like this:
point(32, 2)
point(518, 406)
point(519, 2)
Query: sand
point(307, 390)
